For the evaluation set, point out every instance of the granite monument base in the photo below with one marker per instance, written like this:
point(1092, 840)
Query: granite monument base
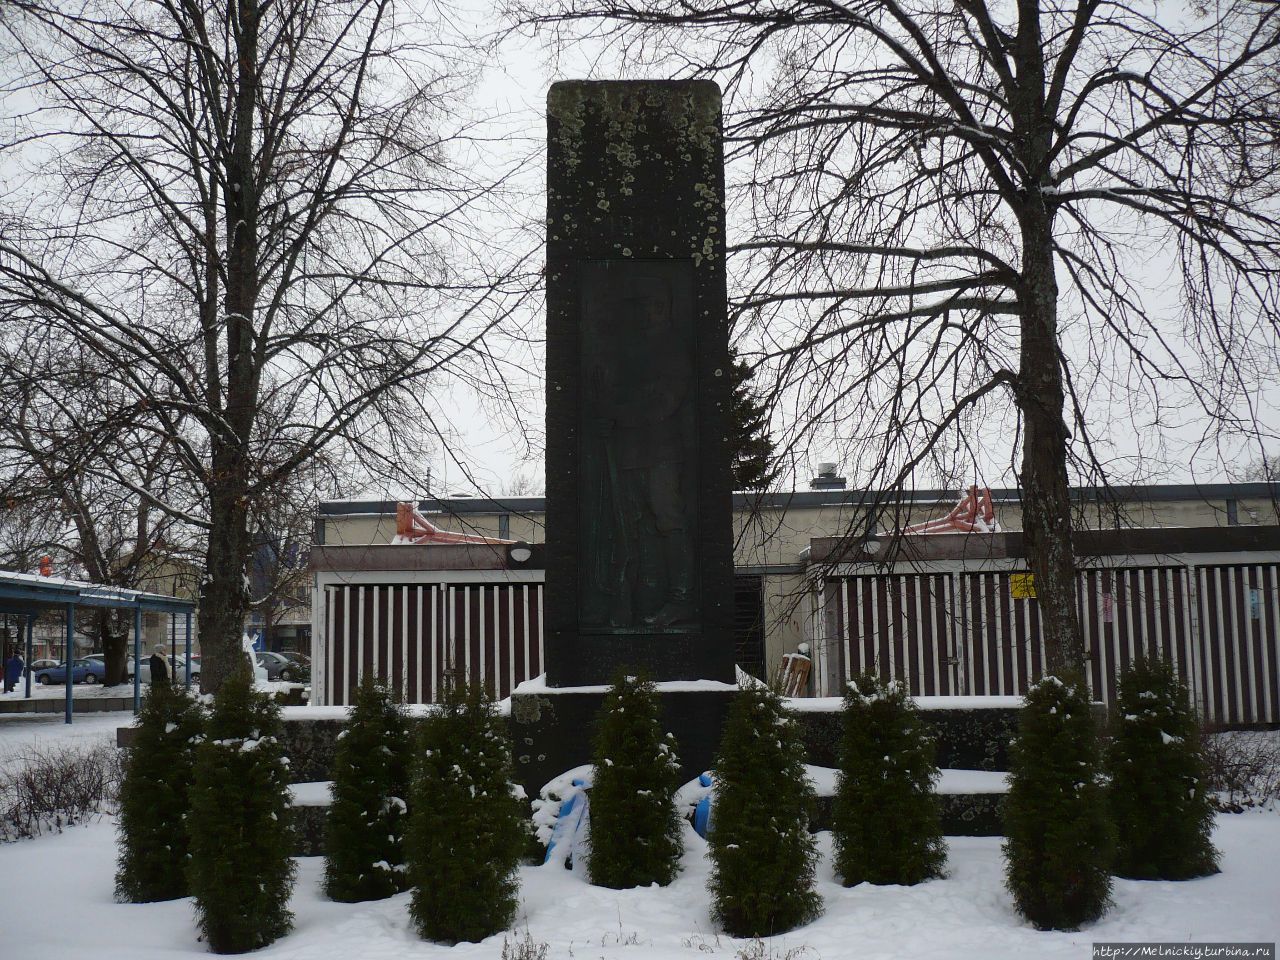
point(552, 730)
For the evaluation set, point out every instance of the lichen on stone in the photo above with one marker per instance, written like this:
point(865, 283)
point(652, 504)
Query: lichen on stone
point(528, 708)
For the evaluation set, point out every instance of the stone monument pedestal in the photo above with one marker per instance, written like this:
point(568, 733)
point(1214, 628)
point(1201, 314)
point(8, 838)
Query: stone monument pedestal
point(552, 728)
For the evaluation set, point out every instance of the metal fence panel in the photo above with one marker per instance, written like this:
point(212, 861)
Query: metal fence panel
point(969, 633)
point(411, 636)
point(898, 626)
point(1239, 617)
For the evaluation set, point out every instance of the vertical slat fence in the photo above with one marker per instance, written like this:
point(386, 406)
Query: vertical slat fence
point(412, 636)
point(1218, 625)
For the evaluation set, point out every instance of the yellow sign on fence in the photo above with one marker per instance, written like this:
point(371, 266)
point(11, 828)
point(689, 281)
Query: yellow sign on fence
point(1022, 586)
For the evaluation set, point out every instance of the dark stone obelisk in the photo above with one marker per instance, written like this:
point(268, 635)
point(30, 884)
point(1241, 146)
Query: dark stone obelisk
point(639, 547)
point(639, 551)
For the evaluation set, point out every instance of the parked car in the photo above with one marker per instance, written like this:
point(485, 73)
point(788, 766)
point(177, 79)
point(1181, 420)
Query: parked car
point(279, 667)
point(41, 664)
point(178, 666)
point(177, 669)
point(82, 671)
point(299, 660)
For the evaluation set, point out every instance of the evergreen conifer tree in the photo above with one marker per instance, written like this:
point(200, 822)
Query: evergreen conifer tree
point(241, 869)
point(364, 830)
point(749, 438)
point(158, 768)
point(886, 823)
point(1159, 788)
point(1059, 838)
point(466, 827)
point(762, 854)
point(635, 827)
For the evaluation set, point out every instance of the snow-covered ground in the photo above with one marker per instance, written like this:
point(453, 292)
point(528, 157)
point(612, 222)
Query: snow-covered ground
point(56, 902)
point(58, 691)
point(94, 691)
point(56, 892)
point(20, 731)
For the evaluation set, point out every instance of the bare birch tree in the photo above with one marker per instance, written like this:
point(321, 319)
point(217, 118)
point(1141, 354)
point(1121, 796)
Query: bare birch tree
point(950, 210)
point(252, 211)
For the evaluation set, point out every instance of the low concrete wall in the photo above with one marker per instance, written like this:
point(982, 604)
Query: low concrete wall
point(59, 704)
point(962, 814)
point(967, 739)
point(308, 831)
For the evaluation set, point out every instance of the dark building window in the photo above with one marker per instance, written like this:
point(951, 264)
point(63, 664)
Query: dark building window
point(748, 625)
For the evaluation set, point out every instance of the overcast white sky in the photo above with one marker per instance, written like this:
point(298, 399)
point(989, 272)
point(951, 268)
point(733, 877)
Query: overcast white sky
point(494, 453)
point(513, 91)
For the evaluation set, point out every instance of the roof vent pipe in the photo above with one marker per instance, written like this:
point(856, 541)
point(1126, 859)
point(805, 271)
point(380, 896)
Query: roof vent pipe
point(826, 478)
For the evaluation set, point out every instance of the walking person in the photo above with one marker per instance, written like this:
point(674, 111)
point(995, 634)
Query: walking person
point(13, 668)
point(159, 668)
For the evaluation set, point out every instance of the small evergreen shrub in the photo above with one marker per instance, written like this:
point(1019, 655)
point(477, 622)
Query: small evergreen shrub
point(364, 829)
point(158, 770)
point(1159, 791)
point(635, 827)
point(762, 854)
point(1059, 838)
point(886, 823)
point(466, 826)
point(241, 870)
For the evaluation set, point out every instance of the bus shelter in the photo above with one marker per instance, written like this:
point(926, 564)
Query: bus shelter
point(28, 596)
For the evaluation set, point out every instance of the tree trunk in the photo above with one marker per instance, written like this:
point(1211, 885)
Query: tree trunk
point(1046, 501)
point(225, 596)
point(115, 648)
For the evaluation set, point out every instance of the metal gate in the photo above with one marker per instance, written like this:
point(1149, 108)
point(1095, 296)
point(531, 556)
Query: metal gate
point(410, 636)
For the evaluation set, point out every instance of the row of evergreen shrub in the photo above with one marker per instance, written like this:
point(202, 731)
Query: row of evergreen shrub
point(1072, 820)
point(452, 830)
point(1060, 818)
point(449, 825)
point(433, 813)
point(464, 833)
point(204, 812)
point(1076, 814)
point(763, 856)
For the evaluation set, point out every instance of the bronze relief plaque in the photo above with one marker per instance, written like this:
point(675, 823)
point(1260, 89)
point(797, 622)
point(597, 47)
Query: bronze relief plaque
point(638, 448)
